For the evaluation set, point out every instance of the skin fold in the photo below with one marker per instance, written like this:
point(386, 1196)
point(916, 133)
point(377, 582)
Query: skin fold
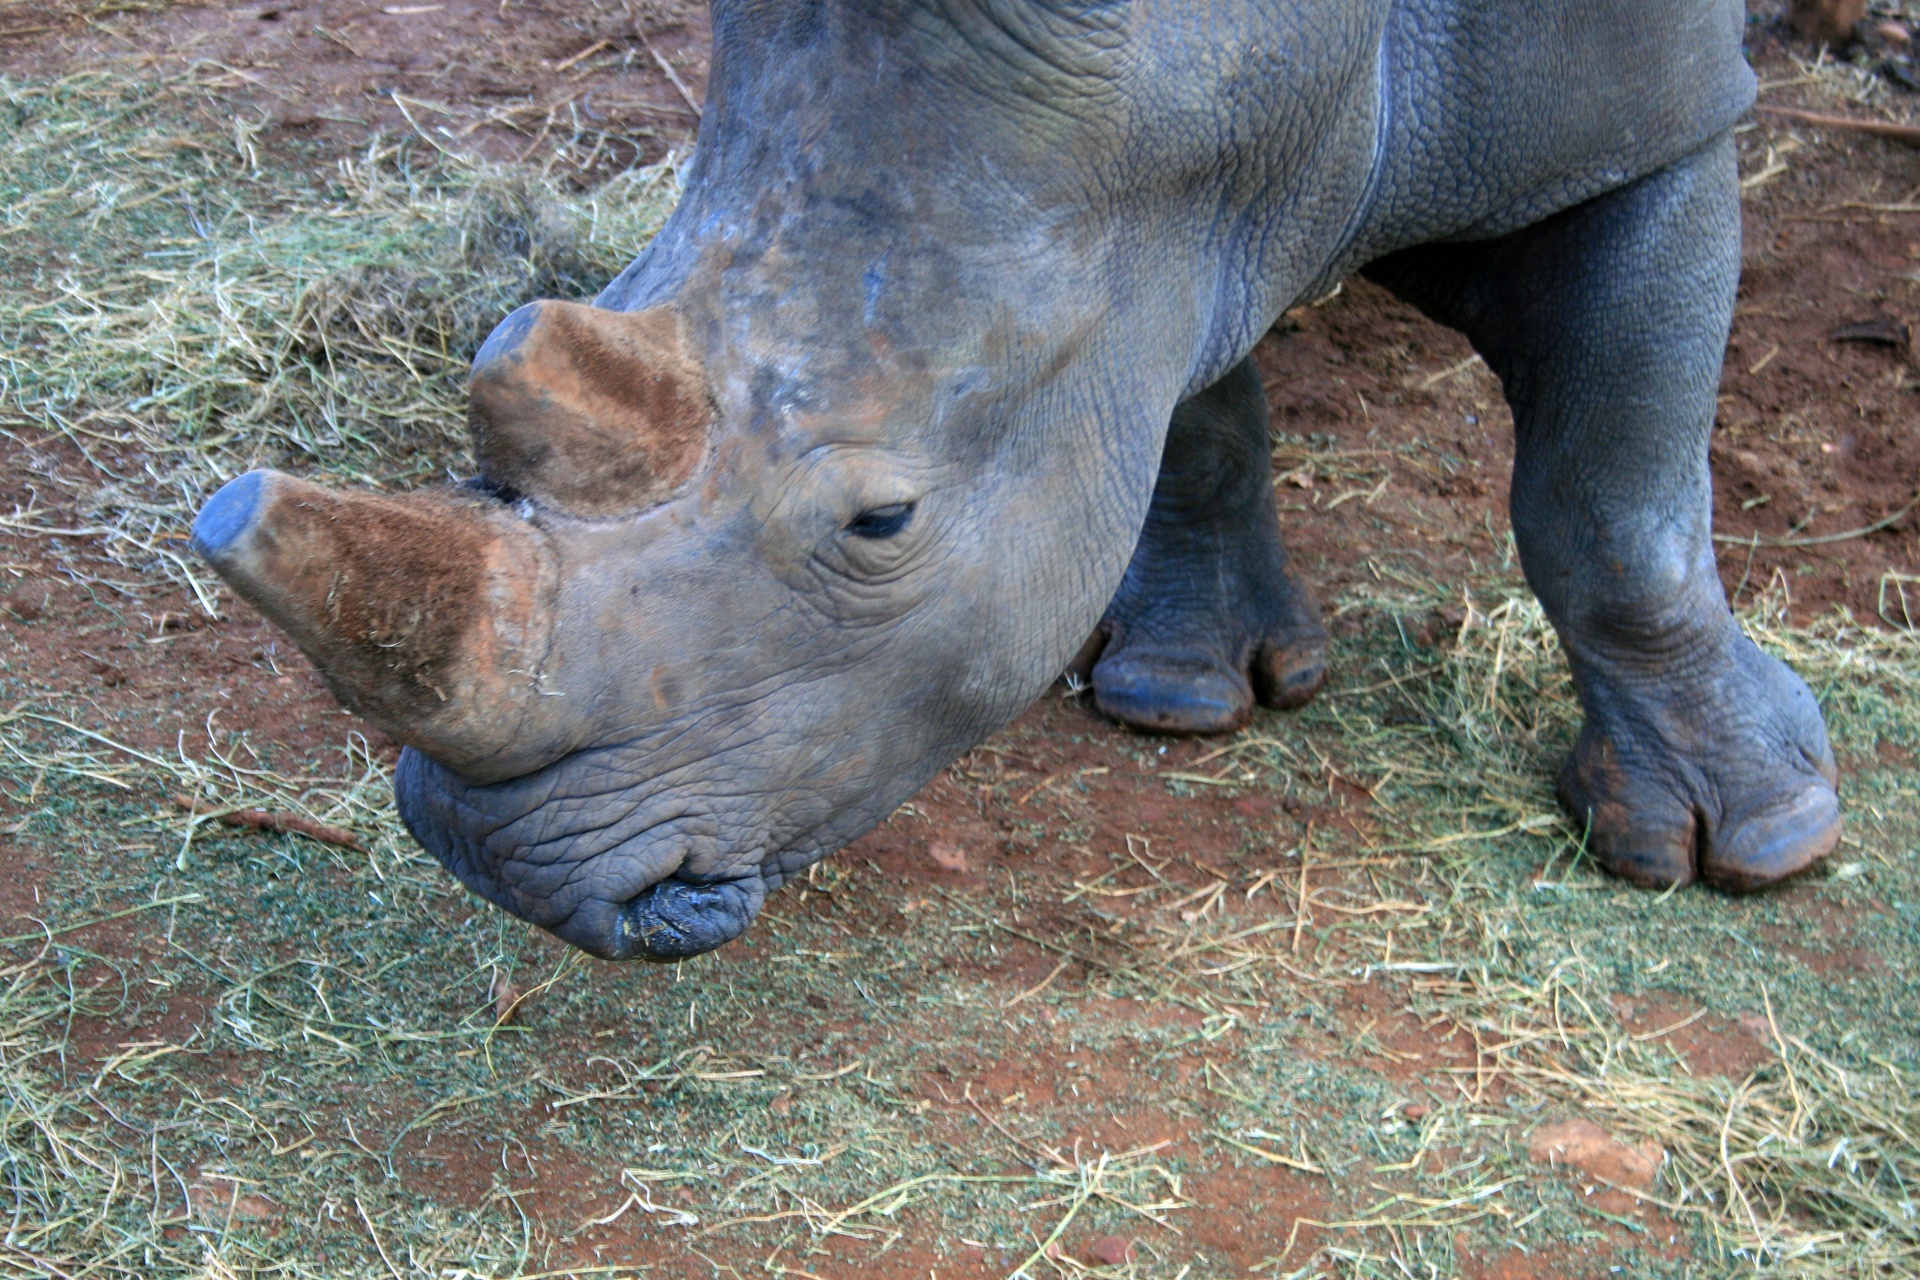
point(939, 368)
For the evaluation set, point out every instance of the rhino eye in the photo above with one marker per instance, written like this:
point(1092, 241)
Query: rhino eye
point(881, 522)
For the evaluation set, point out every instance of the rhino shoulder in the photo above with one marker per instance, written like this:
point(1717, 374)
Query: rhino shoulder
point(1497, 113)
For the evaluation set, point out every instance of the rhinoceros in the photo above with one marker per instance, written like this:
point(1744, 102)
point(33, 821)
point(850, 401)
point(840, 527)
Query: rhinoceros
point(941, 366)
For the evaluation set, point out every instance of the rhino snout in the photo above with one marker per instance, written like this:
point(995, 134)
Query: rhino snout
point(619, 874)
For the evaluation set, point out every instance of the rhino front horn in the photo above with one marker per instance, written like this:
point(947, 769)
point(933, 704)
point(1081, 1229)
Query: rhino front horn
point(429, 614)
point(596, 413)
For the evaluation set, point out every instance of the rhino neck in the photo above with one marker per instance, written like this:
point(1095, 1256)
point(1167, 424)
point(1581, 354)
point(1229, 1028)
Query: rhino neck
point(1147, 154)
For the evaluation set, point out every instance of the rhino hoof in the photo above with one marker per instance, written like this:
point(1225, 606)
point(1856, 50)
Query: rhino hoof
point(1167, 694)
point(1742, 798)
point(1173, 697)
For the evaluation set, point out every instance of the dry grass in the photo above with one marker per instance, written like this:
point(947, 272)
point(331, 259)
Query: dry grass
point(1804, 1167)
point(1808, 1166)
point(21, 19)
point(184, 312)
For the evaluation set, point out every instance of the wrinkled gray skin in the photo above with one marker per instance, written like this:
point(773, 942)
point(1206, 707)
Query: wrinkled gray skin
point(976, 256)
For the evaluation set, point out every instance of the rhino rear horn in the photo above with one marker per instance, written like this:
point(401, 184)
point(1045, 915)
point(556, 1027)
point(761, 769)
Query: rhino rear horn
point(429, 614)
point(597, 413)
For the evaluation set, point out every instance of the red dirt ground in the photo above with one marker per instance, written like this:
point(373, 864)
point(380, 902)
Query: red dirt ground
point(1814, 438)
point(502, 78)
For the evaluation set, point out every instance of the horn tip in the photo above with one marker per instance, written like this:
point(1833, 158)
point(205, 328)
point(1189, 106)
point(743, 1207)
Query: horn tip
point(506, 338)
point(230, 514)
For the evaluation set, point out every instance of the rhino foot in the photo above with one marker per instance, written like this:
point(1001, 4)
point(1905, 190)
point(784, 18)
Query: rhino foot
point(1727, 779)
point(1209, 620)
point(1205, 676)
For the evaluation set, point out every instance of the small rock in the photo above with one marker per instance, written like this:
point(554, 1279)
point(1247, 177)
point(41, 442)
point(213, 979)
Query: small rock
point(1110, 1251)
point(1585, 1146)
point(214, 1197)
point(1416, 1111)
point(1418, 630)
point(948, 856)
point(1438, 628)
point(1895, 33)
point(507, 998)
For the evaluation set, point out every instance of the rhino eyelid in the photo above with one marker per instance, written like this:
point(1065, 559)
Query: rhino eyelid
point(881, 522)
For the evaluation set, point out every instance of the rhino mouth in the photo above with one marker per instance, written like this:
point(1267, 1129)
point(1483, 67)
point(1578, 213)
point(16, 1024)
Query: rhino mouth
point(676, 919)
point(608, 872)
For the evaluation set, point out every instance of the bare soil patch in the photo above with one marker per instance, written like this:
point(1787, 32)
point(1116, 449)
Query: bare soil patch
point(580, 90)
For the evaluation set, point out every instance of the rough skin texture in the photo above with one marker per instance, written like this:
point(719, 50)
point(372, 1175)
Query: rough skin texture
point(967, 287)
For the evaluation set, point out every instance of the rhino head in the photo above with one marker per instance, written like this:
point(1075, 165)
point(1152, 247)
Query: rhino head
point(827, 486)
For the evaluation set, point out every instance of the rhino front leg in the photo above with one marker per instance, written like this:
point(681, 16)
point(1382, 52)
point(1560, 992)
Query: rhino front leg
point(1701, 756)
point(1208, 619)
